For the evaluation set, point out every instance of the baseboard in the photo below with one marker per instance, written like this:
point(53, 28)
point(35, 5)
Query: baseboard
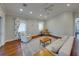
point(10, 40)
point(7, 41)
point(2, 44)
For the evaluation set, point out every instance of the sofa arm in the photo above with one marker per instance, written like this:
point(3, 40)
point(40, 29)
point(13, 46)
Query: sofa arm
point(65, 50)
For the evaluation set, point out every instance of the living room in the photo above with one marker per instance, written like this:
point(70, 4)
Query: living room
point(46, 27)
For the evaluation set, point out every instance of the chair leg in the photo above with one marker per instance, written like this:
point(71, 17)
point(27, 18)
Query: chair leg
point(44, 45)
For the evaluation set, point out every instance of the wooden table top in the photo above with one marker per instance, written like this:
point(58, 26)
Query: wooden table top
point(44, 52)
point(45, 39)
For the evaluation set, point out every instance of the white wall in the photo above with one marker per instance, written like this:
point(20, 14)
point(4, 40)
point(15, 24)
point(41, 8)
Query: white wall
point(62, 24)
point(32, 25)
point(76, 14)
point(9, 29)
point(2, 14)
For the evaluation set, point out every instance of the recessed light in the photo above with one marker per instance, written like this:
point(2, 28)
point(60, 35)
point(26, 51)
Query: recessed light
point(21, 9)
point(67, 5)
point(30, 12)
point(40, 14)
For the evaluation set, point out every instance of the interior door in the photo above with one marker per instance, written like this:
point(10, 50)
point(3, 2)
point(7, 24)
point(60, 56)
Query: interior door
point(0, 30)
point(77, 28)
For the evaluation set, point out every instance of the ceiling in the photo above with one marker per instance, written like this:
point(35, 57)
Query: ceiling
point(38, 10)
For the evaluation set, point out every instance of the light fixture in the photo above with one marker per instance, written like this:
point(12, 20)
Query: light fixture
point(40, 14)
point(30, 12)
point(67, 5)
point(21, 9)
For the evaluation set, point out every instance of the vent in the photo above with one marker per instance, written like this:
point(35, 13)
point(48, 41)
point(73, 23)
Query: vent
point(49, 8)
point(24, 5)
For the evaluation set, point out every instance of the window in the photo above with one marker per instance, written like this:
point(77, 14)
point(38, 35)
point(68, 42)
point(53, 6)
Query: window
point(22, 27)
point(41, 26)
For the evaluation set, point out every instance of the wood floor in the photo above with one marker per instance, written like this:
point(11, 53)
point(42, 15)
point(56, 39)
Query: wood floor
point(13, 48)
point(75, 48)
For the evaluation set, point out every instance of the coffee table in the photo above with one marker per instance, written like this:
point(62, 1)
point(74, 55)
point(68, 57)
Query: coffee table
point(45, 40)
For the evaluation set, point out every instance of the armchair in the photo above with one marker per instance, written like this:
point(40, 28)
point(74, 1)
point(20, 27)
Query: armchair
point(23, 37)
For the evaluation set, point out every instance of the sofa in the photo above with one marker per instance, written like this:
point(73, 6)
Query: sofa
point(56, 45)
point(65, 50)
point(61, 47)
point(24, 38)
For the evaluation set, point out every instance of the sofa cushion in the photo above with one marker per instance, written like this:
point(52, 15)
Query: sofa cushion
point(56, 45)
point(66, 48)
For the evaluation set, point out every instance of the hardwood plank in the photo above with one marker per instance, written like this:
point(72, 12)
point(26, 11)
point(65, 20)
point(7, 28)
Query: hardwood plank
point(12, 48)
point(44, 52)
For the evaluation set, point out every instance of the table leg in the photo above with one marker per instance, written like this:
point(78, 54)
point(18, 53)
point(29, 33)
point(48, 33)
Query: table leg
point(43, 44)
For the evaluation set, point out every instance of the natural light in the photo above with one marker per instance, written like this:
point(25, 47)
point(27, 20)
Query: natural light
point(41, 26)
point(22, 27)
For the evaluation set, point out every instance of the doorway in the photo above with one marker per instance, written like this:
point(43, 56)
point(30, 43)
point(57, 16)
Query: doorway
point(77, 28)
point(76, 41)
point(0, 30)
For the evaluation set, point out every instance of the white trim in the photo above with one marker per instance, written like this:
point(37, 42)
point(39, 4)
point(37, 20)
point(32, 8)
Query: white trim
point(6, 41)
point(10, 40)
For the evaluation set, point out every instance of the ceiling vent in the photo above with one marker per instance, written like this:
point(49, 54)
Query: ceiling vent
point(24, 5)
point(49, 8)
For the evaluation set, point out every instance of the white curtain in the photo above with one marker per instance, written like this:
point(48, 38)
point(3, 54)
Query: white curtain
point(17, 23)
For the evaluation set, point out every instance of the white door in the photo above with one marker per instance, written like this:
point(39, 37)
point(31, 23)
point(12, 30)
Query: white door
point(77, 28)
point(0, 31)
